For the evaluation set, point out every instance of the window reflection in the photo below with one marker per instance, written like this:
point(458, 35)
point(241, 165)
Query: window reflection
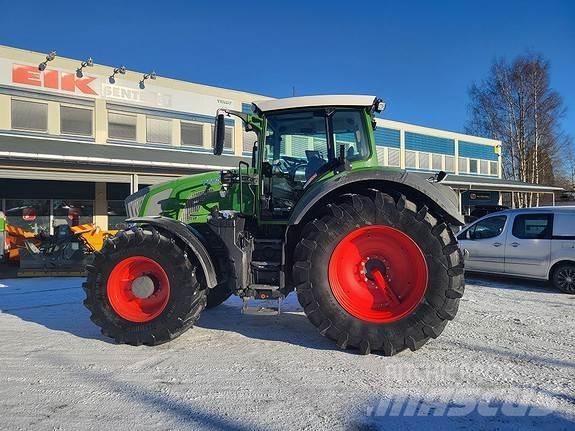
point(30, 214)
point(72, 212)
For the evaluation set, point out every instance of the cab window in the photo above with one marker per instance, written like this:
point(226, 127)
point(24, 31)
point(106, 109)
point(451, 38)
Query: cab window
point(296, 144)
point(489, 228)
point(297, 150)
point(348, 131)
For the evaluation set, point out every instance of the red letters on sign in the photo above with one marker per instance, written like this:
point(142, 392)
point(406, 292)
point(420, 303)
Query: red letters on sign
point(69, 82)
point(30, 75)
point(51, 79)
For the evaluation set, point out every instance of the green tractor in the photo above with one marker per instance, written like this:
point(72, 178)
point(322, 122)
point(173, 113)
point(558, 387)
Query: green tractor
point(369, 250)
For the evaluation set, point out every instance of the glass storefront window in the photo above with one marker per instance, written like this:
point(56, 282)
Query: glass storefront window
point(30, 214)
point(72, 212)
point(28, 115)
point(159, 131)
point(473, 166)
point(76, 121)
point(122, 126)
point(192, 134)
point(116, 214)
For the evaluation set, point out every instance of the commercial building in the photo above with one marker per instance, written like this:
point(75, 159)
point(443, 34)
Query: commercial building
point(75, 141)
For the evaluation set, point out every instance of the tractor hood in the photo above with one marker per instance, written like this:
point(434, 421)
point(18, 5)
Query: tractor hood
point(188, 199)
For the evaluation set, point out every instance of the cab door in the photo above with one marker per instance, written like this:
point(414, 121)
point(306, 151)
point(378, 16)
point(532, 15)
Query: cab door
point(528, 246)
point(296, 146)
point(483, 244)
point(299, 148)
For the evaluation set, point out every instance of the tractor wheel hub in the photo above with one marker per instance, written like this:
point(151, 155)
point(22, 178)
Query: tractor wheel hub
point(138, 289)
point(372, 264)
point(143, 287)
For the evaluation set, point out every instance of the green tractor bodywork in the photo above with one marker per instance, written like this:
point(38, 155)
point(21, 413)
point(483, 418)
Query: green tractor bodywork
point(314, 181)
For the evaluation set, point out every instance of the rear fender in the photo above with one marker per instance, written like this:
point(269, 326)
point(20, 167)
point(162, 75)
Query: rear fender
point(188, 237)
point(438, 197)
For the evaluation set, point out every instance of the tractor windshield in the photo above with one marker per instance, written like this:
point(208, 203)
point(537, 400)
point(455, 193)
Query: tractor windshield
point(297, 147)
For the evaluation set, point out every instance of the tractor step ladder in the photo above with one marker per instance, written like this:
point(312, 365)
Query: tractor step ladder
point(264, 300)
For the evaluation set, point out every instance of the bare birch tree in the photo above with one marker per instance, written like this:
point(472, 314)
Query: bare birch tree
point(569, 163)
point(515, 104)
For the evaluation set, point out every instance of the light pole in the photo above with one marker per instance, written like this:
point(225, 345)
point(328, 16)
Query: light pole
point(88, 63)
point(49, 57)
point(118, 70)
point(151, 75)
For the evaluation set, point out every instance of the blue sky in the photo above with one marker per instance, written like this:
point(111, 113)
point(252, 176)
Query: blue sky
point(420, 56)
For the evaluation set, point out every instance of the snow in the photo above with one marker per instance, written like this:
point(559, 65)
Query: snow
point(511, 341)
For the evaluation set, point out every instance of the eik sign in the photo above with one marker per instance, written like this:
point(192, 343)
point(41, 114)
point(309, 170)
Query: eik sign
point(52, 79)
point(125, 91)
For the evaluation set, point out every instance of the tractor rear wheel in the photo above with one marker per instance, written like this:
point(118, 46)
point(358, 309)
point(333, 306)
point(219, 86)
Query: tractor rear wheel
point(378, 274)
point(143, 288)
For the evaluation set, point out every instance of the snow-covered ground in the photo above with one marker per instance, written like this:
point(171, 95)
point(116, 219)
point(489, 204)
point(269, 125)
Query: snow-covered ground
point(511, 341)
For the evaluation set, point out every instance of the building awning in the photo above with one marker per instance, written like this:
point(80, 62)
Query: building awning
point(471, 182)
point(71, 151)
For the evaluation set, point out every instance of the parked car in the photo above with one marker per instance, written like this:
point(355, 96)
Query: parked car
point(536, 243)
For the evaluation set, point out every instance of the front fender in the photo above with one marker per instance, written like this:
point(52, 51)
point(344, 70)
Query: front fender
point(435, 195)
point(184, 233)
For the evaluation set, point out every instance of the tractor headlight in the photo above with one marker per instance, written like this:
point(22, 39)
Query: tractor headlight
point(133, 203)
point(378, 105)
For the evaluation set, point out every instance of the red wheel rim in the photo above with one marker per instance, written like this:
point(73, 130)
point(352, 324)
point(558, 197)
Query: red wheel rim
point(378, 274)
point(138, 304)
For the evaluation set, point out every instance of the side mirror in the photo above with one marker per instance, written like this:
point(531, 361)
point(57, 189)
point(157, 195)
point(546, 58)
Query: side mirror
point(219, 134)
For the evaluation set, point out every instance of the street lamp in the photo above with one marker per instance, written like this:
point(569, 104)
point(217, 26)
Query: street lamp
point(121, 70)
point(88, 63)
point(49, 57)
point(151, 75)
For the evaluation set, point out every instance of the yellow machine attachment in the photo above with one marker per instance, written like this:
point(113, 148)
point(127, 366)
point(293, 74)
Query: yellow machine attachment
point(92, 236)
point(16, 238)
point(89, 234)
point(66, 253)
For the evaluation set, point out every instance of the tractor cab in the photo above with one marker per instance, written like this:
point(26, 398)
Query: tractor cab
point(303, 140)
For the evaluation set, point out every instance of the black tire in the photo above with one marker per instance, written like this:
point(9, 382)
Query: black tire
point(445, 273)
point(561, 276)
point(225, 272)
point(187, 290)
point(227, 286)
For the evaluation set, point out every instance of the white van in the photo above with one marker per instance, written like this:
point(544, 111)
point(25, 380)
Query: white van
point(534, 243)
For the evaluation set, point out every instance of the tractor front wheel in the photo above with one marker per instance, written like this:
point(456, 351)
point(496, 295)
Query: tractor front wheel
point(378, 273)
point(143, 288)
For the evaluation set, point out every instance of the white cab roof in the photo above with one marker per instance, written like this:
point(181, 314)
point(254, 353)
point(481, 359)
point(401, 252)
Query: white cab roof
point(311, 101)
